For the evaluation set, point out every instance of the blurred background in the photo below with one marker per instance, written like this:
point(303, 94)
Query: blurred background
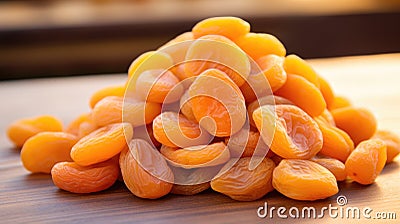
point(47, 38)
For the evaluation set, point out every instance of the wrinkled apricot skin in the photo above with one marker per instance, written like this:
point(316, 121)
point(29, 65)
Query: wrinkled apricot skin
point(175, 130)
point(230, 27)
point(304, 180)
point(336, 167)
point(266, 100)
point(20, 131)
point(144, 170)
point(107, 91)
point(197, 156)
point(257, 45)
point(336, 143)
point(216, 96)
point(392, 142)
point(366, 162)
point(189, 189)
point(295, 134)
point(186, 107)
point(293, 64)
point(102, 144)
point(242, 184)
point(74, 178)
point(42, 151)
point(246, 143)
point(304, 94)
point(359, 123)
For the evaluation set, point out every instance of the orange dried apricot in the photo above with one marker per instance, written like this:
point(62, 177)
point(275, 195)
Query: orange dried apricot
point(158, 86)
point(246, 143)
point(293, 64)
point(186, 107)
point(74, 178)
point(175, 130)
point(145, 171)
point(21, 130)
point(197, 156)
point(177, 47)
point(73, 127)
point(113, 109)
point(272, 68)
point(146, 132)
point(102, 144)
point(217, 52)
point(291, 133)
point(241, 183)
point(326, 91)
point(336, 143)
point(392, 142)
point(215, 97)
point(146, 61)
point(304, 180)
point(336, 167)
point(257, 45)
point(266, 100)
point(359, 123)
point(43, 150)
point(230, 27)
point(304, 94)
point(107, 91)
point(339, 102)
point(366, 162)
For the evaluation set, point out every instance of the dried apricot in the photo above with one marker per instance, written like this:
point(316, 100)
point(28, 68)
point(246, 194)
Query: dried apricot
point(304, 94)
point(392, 142)
point(272, 68)
point(113, 109)
point(102, 144)
point(339, 102)
point(197, 156)
point(158, 86)
point(359, 123)
point(193, 181)
point(266, 100)
point(366, 162)
point(304, 180)
point(45, 149)
point(336, 143)
point(175, 130)
point(21, 130)
point(291, 133)
point(257, 45)
point(230, 27)
point(293, 64)
point(336, 167)
point(246, 143)
point(241, 183)
point(186, 107)
point(107, 91)
point(73, 127)
point(217, 52)
point(177, 47)
point(146, 132)
point(146, 61)
point(326, 91)
point(218, 100)
point(144, 170)
point(74, 178)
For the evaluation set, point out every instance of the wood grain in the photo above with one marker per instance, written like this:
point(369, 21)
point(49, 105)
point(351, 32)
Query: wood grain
point(370, 81)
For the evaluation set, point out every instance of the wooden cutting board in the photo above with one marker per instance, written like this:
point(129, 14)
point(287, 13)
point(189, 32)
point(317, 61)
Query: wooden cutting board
point(369, 81)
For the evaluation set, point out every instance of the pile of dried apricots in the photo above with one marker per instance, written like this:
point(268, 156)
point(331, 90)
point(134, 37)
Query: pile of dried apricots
point(217, 107)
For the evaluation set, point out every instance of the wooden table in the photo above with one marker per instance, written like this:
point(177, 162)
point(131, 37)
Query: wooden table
point(370, 81)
